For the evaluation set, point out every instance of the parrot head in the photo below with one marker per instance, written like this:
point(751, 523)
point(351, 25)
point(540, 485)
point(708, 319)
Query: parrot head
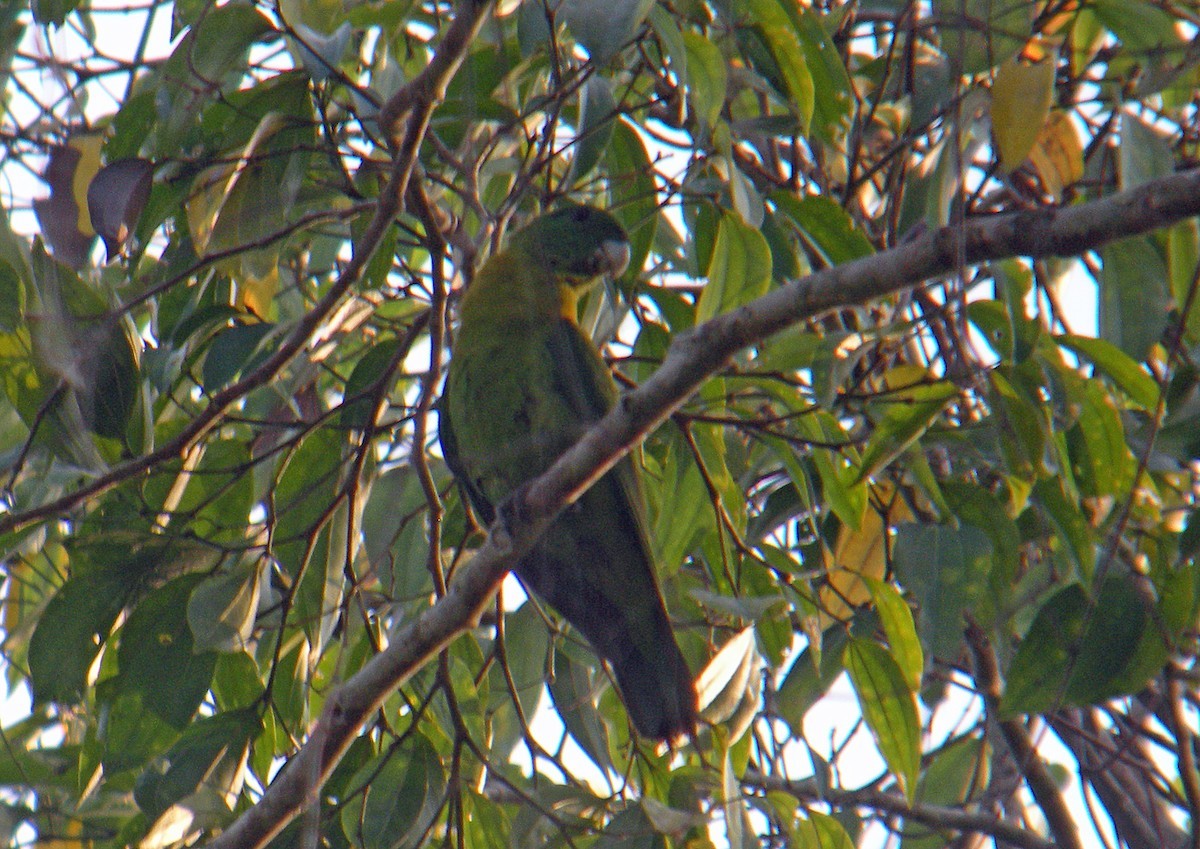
point(576, 243)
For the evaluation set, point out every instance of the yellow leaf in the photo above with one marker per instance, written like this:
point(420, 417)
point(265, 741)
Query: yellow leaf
point(256, 293)
point(88, 146)
point(1058, 154)
point(1021, 96)
point(860, 554)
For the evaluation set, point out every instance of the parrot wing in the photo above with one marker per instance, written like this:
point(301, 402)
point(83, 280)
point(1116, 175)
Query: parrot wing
point(596, 567)
point(450, 451)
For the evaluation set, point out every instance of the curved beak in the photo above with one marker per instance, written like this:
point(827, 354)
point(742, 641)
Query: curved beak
point(614, 257)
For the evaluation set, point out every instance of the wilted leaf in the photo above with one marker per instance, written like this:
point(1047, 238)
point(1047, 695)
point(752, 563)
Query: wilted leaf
point(721, 686)
point(63, 216)
point(1058, 154)
point(116, 197)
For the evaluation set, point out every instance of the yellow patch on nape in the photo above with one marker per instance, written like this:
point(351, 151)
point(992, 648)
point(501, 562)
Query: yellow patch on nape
point(569, 302)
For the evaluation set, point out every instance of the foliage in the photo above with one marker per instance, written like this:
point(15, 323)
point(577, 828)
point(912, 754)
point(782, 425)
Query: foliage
point(222, 494)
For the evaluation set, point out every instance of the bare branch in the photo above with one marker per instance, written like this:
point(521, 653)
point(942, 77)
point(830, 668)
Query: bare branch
point(1046, 792)
point(934, 816)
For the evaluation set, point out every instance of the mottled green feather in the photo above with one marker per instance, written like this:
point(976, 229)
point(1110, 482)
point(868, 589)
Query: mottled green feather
point(524, 384)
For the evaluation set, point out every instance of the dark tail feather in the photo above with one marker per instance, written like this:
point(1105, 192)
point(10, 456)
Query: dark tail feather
point(658, 691)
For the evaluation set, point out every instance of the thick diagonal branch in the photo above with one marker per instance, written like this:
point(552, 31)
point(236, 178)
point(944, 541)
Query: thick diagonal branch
point(691, 359)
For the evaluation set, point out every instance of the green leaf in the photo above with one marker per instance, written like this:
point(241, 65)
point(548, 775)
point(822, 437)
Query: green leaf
point(1122, 648)
point(1183, 260)
point(1142, 27)
point(632, 829)
point(234, 351)
point(359, 408)
point(1129, 376)
point(574, 687)
point(956, 772)
point(1134, 295)
point(898, 626)
point(303, 495)
point(290, 689)
point(768, 40)
point(604, 26)
point(684, 507)
point(116, 382)
point(980, 34)
point(526, 659)
point(1067, 515)
point(1037, 677)
point(833, 101)
point(320, 53)
point(52, 12)
point(739, 831)
point(1021, 424)
point(907, 414)
point(1079, 653)
point(740, 270)
point(401, 795)
point(598, 115)
point(1145, 153)
point(706, 77)
point(811, 676)
point(1101, 460)
point(824, 226)
point(214, 498)
point(946, 569)
point(156, 654)
point(889, 707)
point(984, 510)
point(221, 610)
point(236, 683)
point(820, 831)
point(129, 733)
point(211, 56)
point(633, 196)
point(12, 298)
point(70, 632)
point(841, 485)
point(207, 755)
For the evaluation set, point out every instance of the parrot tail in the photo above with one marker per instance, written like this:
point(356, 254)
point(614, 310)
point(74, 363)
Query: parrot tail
point(658, 691)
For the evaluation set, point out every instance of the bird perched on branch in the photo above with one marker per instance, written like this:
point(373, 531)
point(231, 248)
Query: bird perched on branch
point(524, 384)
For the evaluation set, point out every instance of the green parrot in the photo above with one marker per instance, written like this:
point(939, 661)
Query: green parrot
point(524, 384)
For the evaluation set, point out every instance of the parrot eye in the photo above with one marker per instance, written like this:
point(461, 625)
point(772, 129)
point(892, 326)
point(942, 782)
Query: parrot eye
point(580, 214)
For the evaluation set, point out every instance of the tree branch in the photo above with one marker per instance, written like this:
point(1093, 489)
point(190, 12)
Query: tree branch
point(1046, 792)
point(934, 816)
point(416, 100)
point(691, 359)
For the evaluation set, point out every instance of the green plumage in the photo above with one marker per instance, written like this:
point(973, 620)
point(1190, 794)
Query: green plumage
point(524, 384)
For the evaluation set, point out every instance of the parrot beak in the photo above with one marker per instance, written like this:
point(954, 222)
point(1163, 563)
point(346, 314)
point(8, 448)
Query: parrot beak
point(613, 257)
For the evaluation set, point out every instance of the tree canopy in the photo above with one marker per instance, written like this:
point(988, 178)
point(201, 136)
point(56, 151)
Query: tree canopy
point(909, 344)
